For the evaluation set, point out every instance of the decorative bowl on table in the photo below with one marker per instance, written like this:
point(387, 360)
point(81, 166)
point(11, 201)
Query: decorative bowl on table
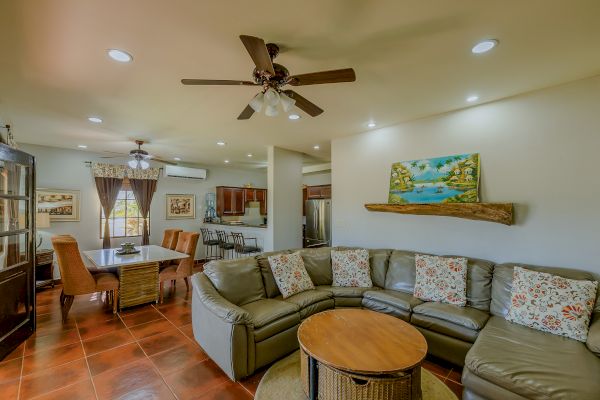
point(127, 248)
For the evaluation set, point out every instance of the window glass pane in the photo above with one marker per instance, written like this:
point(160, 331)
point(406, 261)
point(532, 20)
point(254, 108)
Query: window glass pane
point(122, 195)
point(132, 209)
point(13, 250)
point(119, 228)
point(119, 210)
point(13, 179)
point(13, 215)
point(133, 227)
point(130, 195)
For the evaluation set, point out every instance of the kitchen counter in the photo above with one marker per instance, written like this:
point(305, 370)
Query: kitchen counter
point(249, 231)
point(236, 225)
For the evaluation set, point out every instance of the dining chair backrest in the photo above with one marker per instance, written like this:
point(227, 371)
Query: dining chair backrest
point(170, 238)
point(187, 244)
point(75, 276)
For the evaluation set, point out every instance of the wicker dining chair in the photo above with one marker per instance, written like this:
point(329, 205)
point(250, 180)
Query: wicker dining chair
point(224, 245)
point(241, 248)
point(76, 279)
point(183, 268)
point(170, 238)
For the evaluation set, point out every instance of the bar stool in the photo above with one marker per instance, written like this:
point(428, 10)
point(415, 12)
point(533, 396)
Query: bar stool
point(211, 245)
point(224, 245)
point(240, 245)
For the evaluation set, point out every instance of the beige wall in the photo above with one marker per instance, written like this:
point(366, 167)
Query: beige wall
point(65, 169)
point(539, 150)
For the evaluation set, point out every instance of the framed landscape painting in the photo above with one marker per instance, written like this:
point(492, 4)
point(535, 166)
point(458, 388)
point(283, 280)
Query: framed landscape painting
point(450, 179)
point(61, 204)
point(181, 206)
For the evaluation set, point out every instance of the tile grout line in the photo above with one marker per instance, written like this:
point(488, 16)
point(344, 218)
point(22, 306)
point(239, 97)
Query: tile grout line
point(86, 359)
point(136, 340)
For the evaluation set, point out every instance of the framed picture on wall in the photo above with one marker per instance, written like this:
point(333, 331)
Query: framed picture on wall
point(181, 206)
point(61, 204)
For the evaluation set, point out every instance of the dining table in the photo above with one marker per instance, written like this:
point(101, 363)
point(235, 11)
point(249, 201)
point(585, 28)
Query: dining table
point(137, 272)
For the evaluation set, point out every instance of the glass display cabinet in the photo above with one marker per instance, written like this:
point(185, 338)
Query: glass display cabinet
point(17, 248)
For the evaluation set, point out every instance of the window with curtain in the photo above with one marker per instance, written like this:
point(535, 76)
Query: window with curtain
point(125, 220)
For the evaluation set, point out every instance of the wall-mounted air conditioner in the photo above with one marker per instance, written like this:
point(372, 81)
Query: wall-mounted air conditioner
point(175, 171)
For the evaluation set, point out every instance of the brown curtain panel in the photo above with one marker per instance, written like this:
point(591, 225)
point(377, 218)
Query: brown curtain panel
point(108, 190)
point(143, 190)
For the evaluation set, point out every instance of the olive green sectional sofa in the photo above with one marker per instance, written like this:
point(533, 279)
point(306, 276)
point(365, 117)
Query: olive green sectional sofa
point(243, 323)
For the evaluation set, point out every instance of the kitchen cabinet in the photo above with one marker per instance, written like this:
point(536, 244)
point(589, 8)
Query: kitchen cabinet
point(230, 201)
point(318, 192)
point(260, 195)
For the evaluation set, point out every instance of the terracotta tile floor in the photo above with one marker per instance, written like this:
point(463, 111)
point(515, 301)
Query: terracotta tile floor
point(147, 352)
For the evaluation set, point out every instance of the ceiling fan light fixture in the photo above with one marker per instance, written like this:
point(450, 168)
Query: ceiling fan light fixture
point(144, 164)
point(257, 102)
point(286, 101)
point(271, 97)
point(271, 111)
point(133, 163)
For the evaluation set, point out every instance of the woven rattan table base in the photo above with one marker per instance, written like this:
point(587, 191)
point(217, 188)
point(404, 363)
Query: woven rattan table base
point(335, 384)
point(138, 284)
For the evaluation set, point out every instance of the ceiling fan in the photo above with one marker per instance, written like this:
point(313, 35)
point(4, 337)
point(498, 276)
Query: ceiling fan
point(140, 158)
point(272, 77)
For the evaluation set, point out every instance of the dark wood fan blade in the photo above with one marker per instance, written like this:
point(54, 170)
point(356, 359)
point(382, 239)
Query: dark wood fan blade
point(310, 108)
point(317, 78)
point(163, 161)
point(216, 82)
point(247, 113)
point(259, 53)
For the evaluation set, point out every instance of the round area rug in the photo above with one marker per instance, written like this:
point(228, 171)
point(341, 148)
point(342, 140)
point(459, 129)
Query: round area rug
point(282, 381)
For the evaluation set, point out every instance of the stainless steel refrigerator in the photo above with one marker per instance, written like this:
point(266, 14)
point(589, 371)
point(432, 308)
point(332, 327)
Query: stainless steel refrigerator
point(318, 223)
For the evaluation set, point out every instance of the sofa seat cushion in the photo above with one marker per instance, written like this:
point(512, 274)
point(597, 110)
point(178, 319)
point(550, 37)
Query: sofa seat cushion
point(306, 298)
point(394, 298)
point(534, 364)
point(468, 317)
point(270, 316)
point(346, 292)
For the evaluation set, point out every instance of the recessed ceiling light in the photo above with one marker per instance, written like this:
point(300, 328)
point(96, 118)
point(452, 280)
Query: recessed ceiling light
point(249, 155)
point(371, 124)
point(221, 143)
point(176, 158)
point(484, 46)
point(96, 120)
point(472, 99)
point(82, 146)
point(226, 161)
point(316, 147)
point(293, 116)
point(119, 55)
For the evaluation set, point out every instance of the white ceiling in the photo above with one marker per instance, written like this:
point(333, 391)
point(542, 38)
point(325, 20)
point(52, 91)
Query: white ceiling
point(412, 59)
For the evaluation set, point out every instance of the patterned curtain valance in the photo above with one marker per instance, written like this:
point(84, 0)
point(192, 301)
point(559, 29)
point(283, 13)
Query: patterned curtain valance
point(103, 170)
point(149, 173)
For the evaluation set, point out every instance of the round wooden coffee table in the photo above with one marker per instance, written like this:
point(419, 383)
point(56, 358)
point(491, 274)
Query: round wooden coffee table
point(360, 354)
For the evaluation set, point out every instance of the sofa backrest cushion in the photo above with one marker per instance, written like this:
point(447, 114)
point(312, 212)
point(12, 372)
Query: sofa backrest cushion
point(271, 288)
point(379, 260)
point(402, 272)
point(503, 278)
point(239, 280)
point(318, 265)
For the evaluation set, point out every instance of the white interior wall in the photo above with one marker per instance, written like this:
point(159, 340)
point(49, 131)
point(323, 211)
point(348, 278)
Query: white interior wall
point(538, 150)
point(65, 169)
point(317, 178)
point(284, 201)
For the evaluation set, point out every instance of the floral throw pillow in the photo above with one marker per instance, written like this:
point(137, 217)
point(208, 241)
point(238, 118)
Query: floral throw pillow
point(290, 274)
point(441, 279)
point(551, 303)
point(351, 268)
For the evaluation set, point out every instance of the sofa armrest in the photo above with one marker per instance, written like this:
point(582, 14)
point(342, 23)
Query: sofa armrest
point(216, 303)
point(593, 339)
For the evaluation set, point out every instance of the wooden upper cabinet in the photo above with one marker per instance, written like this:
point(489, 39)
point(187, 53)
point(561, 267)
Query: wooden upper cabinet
point(318, 192)
point(231, 201)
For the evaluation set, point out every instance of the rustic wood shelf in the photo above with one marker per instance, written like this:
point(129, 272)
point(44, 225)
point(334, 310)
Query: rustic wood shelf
point(501, 213)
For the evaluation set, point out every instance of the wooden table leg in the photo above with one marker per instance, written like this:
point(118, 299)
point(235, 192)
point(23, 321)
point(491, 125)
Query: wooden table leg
point(313, 378)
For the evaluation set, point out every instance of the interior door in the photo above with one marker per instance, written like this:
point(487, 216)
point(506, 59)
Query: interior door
point(17, 252)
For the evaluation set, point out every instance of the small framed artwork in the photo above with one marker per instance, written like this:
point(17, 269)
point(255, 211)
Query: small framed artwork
point(61, 204)
point(181, 206)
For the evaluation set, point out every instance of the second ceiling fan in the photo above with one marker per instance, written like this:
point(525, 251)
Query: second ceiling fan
point(272, 77)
